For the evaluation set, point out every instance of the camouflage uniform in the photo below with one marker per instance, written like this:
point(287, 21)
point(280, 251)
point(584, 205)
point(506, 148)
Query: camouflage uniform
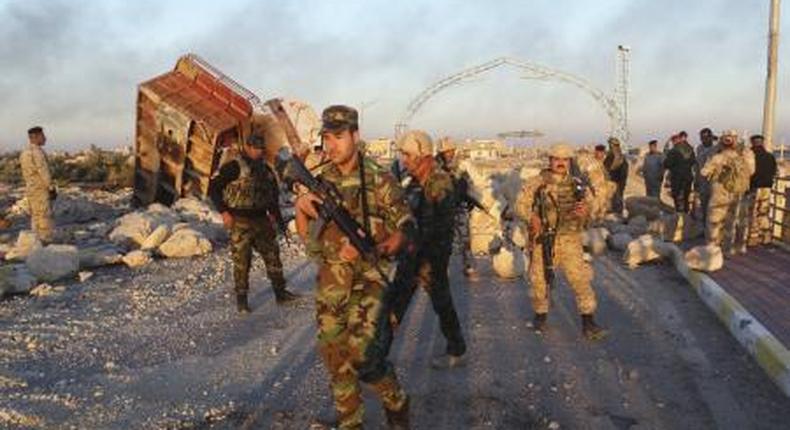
point(433, 205)
point(602, 189)
point(728, 171)
point(568, 254)
point(349, 294)
point(701, 184)
point(462, 225)
point(248, 190)
point(39, 190)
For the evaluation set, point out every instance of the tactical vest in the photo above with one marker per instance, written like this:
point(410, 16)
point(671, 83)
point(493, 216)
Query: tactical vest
point(733, 176)
point(252, 190)
point(562, 203)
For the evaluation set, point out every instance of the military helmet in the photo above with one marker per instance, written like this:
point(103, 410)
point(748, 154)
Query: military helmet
point(445, 144)
point(416, 142)
point(561, 150)
point(338, 118)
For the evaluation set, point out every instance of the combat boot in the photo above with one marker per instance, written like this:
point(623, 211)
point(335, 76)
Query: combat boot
point(399, 420)
point(591, 330)
point(241, 304)
point(539, 323)
point(283, 296)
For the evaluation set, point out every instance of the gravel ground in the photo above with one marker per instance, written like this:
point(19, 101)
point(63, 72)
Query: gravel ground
point(162, 347)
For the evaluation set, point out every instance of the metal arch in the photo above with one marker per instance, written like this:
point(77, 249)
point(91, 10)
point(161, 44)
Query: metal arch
point(612, 108)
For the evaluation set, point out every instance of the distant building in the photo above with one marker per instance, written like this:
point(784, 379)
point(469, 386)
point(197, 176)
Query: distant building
point(484, 149)
point(382, 148)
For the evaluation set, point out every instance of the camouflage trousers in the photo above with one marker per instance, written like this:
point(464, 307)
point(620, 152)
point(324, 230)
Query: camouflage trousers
point(349, 315)
point(568, 256)
point(430, 274)
point(41, 221)
point(726, 223)
point(258, 234)
point(760, 217)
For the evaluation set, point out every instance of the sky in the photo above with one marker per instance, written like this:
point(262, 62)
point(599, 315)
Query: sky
point(73, 66)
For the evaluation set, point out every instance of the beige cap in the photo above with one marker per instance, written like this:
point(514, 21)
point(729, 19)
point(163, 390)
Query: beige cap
point(561, 150)
point(445, 144)
point(416, 142)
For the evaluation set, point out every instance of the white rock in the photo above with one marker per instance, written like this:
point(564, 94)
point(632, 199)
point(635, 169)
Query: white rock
point(594, 239)
point(185, 242)
point(26, 243)
point(132, 229)
point(15, 279)
point(648, 207)
point(101, 255)
point(619, 241)
point(54, 262)
point(84, 276)
point(156, 238)
point(705, 258)
point(192, 209)
point(137, 258)
point(644, 249)
point(43, 290)
point(508, 264)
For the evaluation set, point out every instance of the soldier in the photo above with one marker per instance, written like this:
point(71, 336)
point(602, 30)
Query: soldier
point(433, 204)
point(705, 150)
point(601, 187)
point(728, 171)
point(617, 166)
point(39, 189)
point(446, 158)
point(681, 162)
point(567, 214)
point(349, 306)
point(759, 195)
point(245, 193)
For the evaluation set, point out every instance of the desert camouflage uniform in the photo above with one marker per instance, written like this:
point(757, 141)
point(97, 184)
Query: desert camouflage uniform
point(434, 206)
point(349, 295)
point(728, 207)
point(568, 254)
point(701, 183)
point(38, 189)
point(602, 189)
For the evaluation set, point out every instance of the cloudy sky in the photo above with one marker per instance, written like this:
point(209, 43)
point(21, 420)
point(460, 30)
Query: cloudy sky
point(73, 66)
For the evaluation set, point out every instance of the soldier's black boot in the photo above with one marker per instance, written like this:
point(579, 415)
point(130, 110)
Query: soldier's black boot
point(241, 304)
point(283, 296)
point(398, 420)
point(539, 323)
point(591, 330)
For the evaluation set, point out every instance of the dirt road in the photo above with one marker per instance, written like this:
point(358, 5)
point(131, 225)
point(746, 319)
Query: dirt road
point(163, 348)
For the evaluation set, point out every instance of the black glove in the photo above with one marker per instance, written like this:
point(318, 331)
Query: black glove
point(53, 194)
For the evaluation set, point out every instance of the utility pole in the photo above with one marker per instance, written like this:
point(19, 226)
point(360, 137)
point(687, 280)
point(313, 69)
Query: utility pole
point(770, 80)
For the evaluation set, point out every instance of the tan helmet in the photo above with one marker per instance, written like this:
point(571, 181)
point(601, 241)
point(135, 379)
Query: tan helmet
point(416, 142)
point(445, 144)
point(561, 150)
point(733, 133)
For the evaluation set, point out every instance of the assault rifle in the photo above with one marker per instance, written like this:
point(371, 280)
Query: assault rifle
point(547, 237)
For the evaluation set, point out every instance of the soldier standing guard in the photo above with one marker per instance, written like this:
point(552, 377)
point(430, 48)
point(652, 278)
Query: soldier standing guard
point(349, 293)
point(39, 190)
point(245, 193)
point(567, 215)
point(729, 172)
point(446, 158)
point(433, 203)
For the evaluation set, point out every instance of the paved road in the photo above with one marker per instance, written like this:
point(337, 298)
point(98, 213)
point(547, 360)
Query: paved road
point(668, 364)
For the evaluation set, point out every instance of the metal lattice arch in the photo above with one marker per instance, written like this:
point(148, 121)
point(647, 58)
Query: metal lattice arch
point(613, 107)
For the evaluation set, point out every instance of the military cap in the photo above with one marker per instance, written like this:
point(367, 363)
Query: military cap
point(600, 147)
point(613, 141)
point(445, 144)
point(339, 117)
point(561, 150)
point(35, 130)
point(416, 142)
point(756, 137)
point(256, 141)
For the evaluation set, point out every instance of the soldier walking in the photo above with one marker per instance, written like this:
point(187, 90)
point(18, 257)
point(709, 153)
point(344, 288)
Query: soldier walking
point(680, 161)
point(245, 193)
point(39, 189)
point(349, 305)
point(565, 212)
point(433, 202)
point(729, 172)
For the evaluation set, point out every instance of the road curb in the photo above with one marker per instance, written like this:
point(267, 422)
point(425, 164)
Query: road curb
point(770, 354)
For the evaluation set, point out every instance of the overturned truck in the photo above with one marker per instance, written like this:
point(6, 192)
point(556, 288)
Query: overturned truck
point(192, 118)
